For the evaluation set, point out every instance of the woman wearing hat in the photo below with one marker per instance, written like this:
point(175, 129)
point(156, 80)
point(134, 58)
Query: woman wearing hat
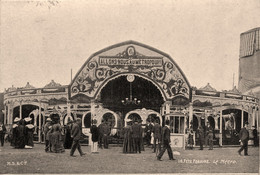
point(128, 142)
point(94, 137)
point(47, 132)
point(29, 129)
point(14, 133)
point(20, 135)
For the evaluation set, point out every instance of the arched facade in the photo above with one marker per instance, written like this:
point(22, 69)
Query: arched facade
point(181, 104)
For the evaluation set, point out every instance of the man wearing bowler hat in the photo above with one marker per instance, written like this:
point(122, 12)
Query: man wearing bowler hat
point(244, 137)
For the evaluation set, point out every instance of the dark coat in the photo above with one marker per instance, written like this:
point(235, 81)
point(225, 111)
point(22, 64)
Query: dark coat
point(244, 134)
point(136, 131)
point(2, 129)
point(157, 131)
point(76, 131)
point(200, 134)
point(94, 132)
point(166, 135)
point(106, 129)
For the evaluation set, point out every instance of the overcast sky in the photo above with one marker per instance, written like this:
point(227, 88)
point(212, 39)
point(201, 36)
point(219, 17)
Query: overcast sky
point(41, 42)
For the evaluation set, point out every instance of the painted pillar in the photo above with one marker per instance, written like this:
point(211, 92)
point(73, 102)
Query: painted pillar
point(220, 131)
point(5, 116)
point(11, 114)
point(8, 114)
point(242, 118)
point(167, 109)
point(68, 109)
point(253, 116)
point(190, 113)
point(257, 118)
point(40, 124)
point(92, 109)
point(20, 110)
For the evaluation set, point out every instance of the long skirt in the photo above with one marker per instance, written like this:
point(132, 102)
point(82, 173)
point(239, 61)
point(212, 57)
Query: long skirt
point(128, 146)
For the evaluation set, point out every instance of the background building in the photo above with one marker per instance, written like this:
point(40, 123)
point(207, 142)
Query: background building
point(249, 63)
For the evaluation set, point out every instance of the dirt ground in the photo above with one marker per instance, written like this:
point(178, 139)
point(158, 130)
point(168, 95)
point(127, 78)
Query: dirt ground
point(112, 160)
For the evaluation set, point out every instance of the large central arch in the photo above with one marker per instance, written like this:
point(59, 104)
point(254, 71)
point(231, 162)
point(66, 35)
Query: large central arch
point(130, 58)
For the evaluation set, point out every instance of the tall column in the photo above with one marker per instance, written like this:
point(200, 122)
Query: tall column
point(167, 109)
point(92, 109)
point(190, 113)
point(220, 131)
point(11, 114)
point(242, 118)
point(40, 124)
point(8, 114)
point(20, 110)
point(257, 118)
point(5, 116)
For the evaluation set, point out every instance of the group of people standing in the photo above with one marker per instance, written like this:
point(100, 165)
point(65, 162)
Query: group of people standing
point(153, 132)
point(53, 136)
point(21, 133)
point(207, 136)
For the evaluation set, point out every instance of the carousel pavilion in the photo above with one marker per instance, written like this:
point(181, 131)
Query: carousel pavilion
point(131, 80)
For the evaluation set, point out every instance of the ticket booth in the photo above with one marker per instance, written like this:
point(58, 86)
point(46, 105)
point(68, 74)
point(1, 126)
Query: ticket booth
point(177, 127)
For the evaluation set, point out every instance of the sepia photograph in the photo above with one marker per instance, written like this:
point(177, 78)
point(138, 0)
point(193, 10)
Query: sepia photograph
point(129, 87)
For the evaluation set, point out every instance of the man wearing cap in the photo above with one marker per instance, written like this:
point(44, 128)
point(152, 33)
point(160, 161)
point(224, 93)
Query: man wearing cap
point(76, 134)
point(47, 130)
point(244, 137)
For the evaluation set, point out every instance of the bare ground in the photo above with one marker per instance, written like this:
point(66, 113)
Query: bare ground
point(112, 160)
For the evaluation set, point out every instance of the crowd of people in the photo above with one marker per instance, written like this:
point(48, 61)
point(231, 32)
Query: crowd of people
point(58, 138)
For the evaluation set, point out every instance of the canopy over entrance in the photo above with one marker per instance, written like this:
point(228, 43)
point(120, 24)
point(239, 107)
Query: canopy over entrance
point(129, 58)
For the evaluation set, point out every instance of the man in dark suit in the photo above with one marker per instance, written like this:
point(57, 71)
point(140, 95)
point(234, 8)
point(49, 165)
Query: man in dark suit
point(76, 134)
point(136, 135)
point(106, 132)
point(101, 134)
point(157, 132)
point(166, 140)
point(201, 137)
point(244, 137)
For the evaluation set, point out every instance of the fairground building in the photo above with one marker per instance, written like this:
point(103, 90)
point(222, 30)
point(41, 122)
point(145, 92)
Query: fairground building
point(131, 80)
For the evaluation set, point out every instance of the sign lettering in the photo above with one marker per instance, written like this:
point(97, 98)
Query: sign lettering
point(114, 61)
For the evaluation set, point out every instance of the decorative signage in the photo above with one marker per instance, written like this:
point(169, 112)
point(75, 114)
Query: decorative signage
point(130, 58)
point(118, 61)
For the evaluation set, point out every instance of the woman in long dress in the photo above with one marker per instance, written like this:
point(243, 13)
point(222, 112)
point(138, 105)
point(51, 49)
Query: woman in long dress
point(20, 135)
point(128, 142)
point(56, 138)
point(29, 129)
point(14, 133)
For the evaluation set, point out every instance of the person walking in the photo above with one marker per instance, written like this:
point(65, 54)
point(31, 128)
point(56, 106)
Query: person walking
point(244, 137)
point(2, 133)
point(136, 135)
point(157, 132)
point(166, 140)
point(76, 134)
point(201, 137)
point(94, 136)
